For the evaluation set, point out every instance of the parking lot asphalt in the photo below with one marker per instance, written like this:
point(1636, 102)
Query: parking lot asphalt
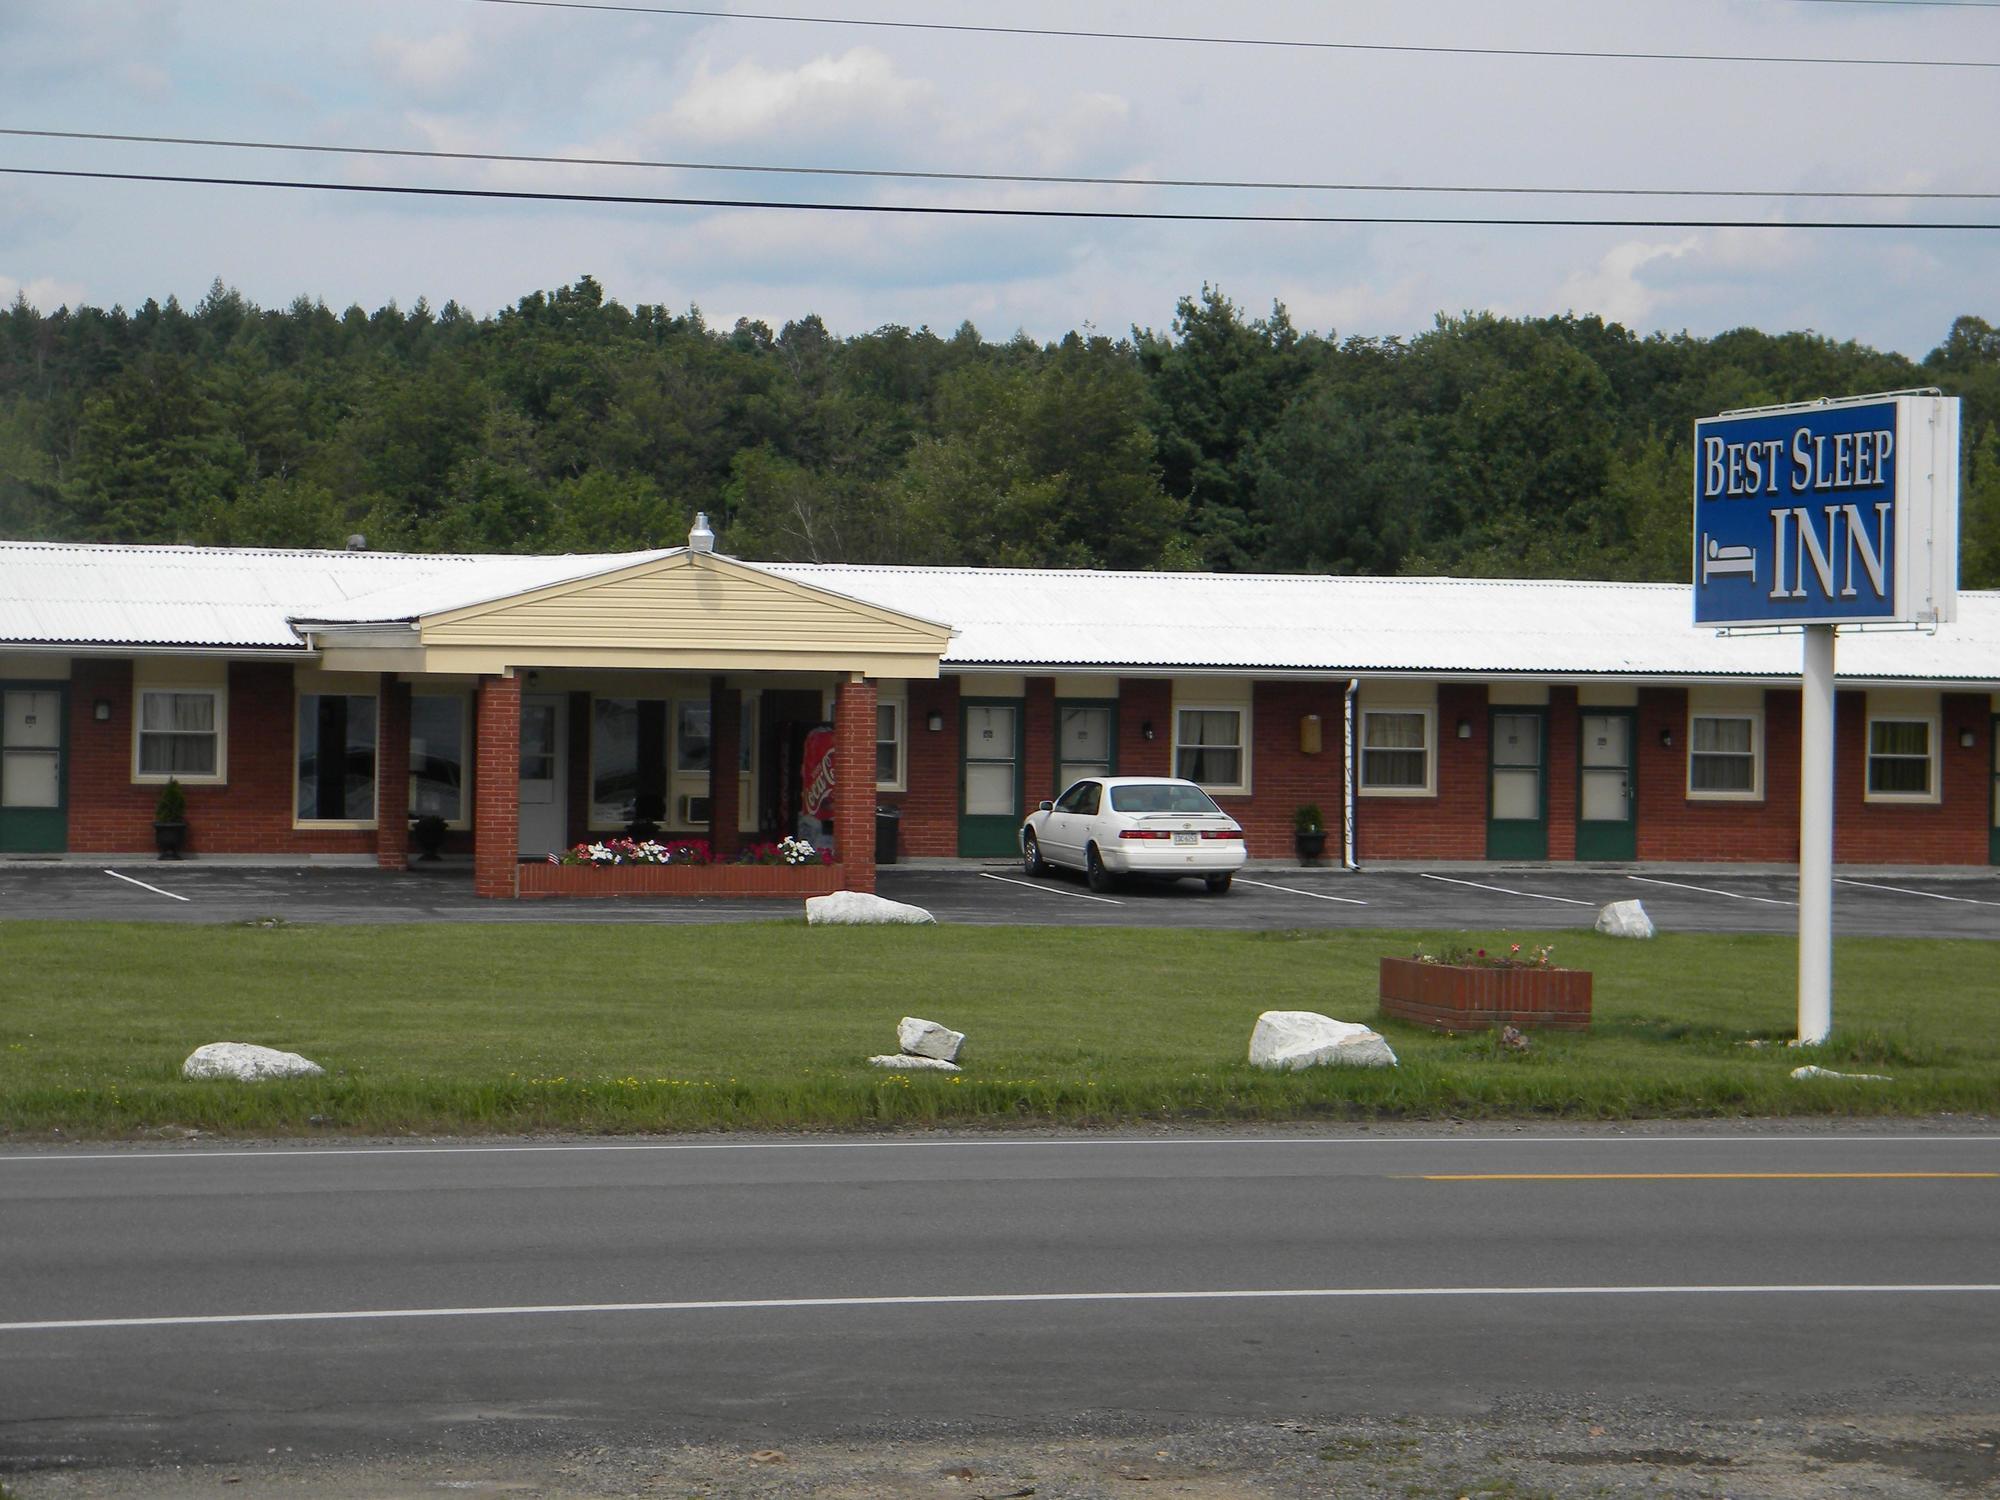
point(1928, 903)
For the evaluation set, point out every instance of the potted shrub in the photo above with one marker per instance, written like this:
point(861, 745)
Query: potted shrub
point(170, 820)
point(428, 832)
point(1309, 833)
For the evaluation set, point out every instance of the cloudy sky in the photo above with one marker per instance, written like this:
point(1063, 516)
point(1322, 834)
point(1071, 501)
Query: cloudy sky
point(471, 75)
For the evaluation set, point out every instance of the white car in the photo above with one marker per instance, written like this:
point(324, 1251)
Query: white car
point(1108, 826)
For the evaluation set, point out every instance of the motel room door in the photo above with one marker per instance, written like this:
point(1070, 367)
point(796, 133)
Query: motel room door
point(1993, 807)
point(1604, 823)
point(33, 816)
point(544, 786)
point(1517, 806)
point(990, 773)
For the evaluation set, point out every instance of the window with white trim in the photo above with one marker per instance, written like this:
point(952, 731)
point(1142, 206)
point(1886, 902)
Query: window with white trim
point(1396, 751)
point(890, 714)
point(1209, 746)
point(1902, 759)
point(336, 764)
point(1725, 756)
point(178, 735)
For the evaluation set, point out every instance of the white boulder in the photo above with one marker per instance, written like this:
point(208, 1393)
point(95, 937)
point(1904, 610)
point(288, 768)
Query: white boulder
point(1303, 1039)
point(903, 1063)
point(852, 908)
point(1625, 919)
point(919, 1038)
point(247, 1061)
point(1809, 1071)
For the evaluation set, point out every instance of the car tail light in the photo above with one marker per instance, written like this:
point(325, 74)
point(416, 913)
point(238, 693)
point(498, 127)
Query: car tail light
point(1222, 833)
point(1144, 833)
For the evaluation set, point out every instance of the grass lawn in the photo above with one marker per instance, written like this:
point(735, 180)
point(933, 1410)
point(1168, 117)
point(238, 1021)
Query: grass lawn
point(481, 1029)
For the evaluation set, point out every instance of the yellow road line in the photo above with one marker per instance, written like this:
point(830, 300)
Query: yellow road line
point(1683, 1176)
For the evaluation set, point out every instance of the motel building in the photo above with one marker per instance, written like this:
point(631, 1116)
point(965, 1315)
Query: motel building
point(316, 703)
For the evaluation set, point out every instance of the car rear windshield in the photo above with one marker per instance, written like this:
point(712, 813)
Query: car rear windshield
point(1161, 797)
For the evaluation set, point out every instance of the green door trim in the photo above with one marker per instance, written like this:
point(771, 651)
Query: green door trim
point(39, 830)
point(1600, 839)
point(1518, 838)
point(1110, 706)
point(988, 834)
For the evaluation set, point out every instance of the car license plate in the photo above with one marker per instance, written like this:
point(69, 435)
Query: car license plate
point(1187, 838)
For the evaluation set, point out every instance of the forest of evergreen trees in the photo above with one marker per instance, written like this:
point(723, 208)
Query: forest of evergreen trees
point(1484, 445)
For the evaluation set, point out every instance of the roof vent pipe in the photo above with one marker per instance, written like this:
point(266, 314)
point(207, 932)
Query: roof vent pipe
point(701, 539)
point(357, 543)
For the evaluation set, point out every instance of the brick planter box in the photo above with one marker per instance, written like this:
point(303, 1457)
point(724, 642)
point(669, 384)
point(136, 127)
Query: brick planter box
point(1453, 997)
point(679, 880)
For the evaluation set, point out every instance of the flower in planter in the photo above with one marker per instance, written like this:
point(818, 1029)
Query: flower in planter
point(1479, 958)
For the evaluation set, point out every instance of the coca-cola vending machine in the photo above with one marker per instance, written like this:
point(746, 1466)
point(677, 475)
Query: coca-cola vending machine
point(816, 788)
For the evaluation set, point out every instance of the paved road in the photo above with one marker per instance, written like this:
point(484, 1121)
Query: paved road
point(211, 1304)
point(1448, 898)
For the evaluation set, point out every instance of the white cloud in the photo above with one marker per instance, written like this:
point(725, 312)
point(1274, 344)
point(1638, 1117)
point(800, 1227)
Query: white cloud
point(820, 96)
point(44, 293)
point(430, 67)
point(1613, 288)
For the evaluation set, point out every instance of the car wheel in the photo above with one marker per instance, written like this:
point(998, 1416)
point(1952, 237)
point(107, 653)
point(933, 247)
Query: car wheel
point(1031, 856)
point(1100, 879)
point(1218, 885)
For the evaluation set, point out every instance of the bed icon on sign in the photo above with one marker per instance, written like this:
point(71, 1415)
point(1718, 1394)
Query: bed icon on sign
point(1718, 561)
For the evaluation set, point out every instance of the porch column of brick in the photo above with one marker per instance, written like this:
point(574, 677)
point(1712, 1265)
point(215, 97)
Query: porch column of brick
point(725, 721)
point(854, 783)
point(496, 793)
point(392, 775)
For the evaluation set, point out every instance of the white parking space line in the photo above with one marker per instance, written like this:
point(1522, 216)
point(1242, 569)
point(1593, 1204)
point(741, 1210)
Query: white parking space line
point(1049, 890)
point(1017, 1299)
point(1710, 890)
point(1291, 890)
point(1503, 890)
point(1869, 885)
point(144, 887)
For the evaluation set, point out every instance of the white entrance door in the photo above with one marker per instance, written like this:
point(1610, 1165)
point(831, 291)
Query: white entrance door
point(544, 786)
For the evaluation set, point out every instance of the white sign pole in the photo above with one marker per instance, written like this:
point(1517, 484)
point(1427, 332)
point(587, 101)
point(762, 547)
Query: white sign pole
point(1816, 837)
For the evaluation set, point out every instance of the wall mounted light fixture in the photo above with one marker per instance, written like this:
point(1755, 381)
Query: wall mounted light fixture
point(935, 722)
point(1465, 729)
point(1666, 739)
point(1967, 739)
point(1146, 729)
point(101, 710)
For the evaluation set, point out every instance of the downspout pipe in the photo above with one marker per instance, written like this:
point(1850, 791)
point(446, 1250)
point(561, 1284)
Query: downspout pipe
point(1347, 859)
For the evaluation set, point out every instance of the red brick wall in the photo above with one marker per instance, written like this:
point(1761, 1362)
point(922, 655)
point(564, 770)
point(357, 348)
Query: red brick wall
point(496, 809)
point(251, 814)
point(1282, 776)
point(725, 720)
point(392, 774)
point(854, 784)
point(929, 829)
point(1451, 825)
point(1143, 701)
point(1673, 827)
point(1038, 747)
point(1951, 832)
point(1562, 751)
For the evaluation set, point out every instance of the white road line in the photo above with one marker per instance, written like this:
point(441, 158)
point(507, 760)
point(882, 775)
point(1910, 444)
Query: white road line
point(1869, 885)
point(1050, 890)
point(1710, 890)
point(1503, 890)
point(144, 887)
point(1003, 1299)
point(198, 1154)
point(1290, 890)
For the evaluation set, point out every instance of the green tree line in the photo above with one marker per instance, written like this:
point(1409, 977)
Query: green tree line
point(1483, 445)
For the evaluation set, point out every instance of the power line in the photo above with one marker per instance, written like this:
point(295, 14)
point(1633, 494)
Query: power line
point(1245, 41)
point(966, 211)
point(1005, 177)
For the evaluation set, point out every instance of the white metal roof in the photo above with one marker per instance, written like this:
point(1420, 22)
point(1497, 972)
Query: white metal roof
point(222, 599)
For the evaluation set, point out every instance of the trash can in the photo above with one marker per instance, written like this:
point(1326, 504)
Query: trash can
point(886, 819)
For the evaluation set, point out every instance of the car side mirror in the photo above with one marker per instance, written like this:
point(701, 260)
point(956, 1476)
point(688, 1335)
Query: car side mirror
point(1045, 806)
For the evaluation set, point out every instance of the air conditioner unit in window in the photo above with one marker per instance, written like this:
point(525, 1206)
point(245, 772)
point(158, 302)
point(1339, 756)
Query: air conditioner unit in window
point(694, 810)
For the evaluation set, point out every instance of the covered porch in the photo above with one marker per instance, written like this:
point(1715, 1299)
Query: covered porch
point(689, 700)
